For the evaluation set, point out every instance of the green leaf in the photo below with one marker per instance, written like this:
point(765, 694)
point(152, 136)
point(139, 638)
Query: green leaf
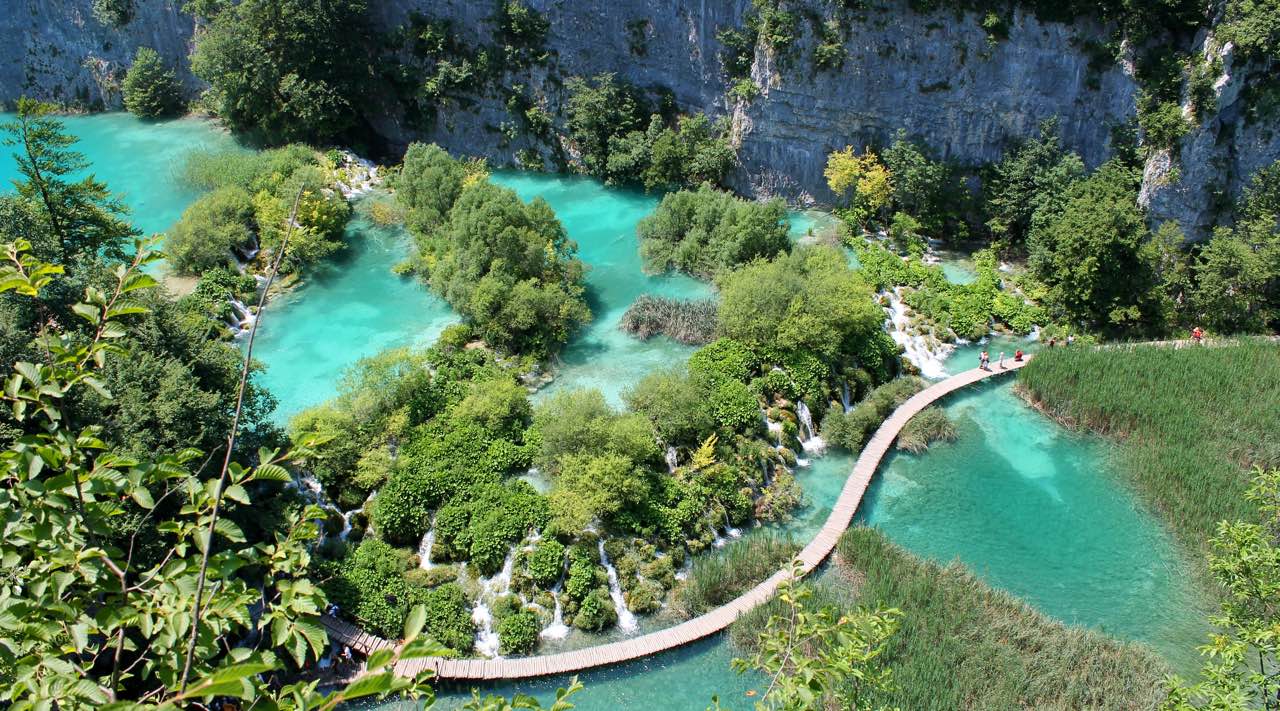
point(142, 497)
point(414, 622)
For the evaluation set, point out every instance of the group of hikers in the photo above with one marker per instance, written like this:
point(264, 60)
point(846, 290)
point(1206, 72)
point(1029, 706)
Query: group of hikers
point(984, 358)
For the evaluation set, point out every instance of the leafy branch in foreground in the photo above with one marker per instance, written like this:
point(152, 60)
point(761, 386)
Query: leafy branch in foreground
point(80, 625)
point(1240, 660)
point(821, 659)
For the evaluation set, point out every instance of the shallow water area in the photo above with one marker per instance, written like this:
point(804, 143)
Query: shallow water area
point(1038, 511)
point(349, 308)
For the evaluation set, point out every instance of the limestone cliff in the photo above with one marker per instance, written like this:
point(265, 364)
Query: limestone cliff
point(938, 76)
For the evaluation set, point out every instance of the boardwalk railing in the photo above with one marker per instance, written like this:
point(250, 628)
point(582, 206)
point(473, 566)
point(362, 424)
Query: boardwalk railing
point(704, 625)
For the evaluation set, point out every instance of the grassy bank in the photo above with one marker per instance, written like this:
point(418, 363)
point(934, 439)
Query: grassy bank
point(1193, 420)
point(724, 575)
point(963, 645)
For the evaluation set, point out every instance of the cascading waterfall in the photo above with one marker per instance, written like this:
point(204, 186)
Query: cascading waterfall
point(424, 548)
point(626, 620)
point(672, 460)
point(729, 529)
point(243, 318)
point(930, 360)
point(557, 629)
point(844, 396)
point(487, 642)
point(811, 443)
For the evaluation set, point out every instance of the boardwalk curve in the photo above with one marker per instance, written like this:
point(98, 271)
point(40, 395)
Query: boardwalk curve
point(811, 556)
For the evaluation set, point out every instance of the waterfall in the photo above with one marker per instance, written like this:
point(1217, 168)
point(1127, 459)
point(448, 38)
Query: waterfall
point(672, 460)
point(487, 642)
point(244, 318)
point(626, 620)
point(557, 629)
point(764, 469)
point(812, 443)
point(844, 396)
point(917, 349)
point(776, 429)
point(729, 529)
point(424, 548)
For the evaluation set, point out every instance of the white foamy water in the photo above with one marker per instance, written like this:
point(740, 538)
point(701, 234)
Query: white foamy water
point(626, 620)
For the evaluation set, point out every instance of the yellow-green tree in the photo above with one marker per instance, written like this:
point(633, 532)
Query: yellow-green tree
point(865, 176)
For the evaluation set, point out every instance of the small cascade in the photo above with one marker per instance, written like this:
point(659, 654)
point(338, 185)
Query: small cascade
point(487, 643)
point(683, 573)
point(424, 548)
point(844, 396)
point(729, 529)
point(626, 620)
point(916, 348)
point(776, 429)
point(812, 442)
point(243, 318)
point(557, 629)
point(768, 473)
point(672, 460)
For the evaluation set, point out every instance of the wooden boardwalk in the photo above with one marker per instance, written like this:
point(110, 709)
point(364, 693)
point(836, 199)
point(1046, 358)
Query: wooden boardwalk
point(811, 556)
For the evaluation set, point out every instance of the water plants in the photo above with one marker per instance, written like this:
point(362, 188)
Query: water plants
point(716, 579)
point(691, 322)
point(931, 425)
point(1189, 419)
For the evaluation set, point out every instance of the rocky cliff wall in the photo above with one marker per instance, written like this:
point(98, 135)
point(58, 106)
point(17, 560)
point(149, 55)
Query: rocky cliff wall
point(56, 50)
point(938, 76)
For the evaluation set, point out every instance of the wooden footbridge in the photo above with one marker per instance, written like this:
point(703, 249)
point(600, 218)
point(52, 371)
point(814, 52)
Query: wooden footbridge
point(343, 633)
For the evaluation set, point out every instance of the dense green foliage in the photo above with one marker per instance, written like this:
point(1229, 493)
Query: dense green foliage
point(253, 196)
point(279, 71)
point(621, 139)
point(1240, 655)
point(807, 304)
point(1030, 180)
point(1193, 420)
point(113, 13)
point(691, 322)
point(962, 644)
point(508, 267)
point(707, 231)
point(177, 633)
point(852, 429)
point(150, 89)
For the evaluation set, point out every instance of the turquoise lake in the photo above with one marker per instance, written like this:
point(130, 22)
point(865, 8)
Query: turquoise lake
point(1029, 506)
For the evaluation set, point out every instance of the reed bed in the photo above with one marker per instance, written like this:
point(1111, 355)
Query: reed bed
point(964, 645)
point(691, 322)
point(1193, 420)
point(742, 564)
point(931, 425)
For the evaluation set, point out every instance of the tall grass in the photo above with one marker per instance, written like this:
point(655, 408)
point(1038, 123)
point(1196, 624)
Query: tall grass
point(689, 322)
point(963, 645)
point(1193, 420)
point(931, 425)
point(718, 578)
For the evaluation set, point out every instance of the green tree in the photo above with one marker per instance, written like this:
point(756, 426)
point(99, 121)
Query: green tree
point(706, 231)
point(1093, 256)
point(285, 70)
point(151, 90)
point(429, 182)
point(1027, 186)
point(86, 220)
point(597, 110)
point(1240, 669)
point(922, 187)
point(820, 658)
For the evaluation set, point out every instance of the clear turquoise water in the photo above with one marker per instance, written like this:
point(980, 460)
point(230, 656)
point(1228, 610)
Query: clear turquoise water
point(349, 308)
point(1030, 507)
point(139, 160)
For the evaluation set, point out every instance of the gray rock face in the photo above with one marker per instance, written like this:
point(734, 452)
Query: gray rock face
point(937, 76)
point(56, 50)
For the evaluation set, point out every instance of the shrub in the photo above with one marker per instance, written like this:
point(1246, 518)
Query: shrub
point(852, 429)
point(518, 632)
point(596, 612)
point(449, 619)
point(214, 225)
point(113, 13)
point(688, 322)
point(645, 597)
point(546, 562)
point(150, 89)
point(582, 575)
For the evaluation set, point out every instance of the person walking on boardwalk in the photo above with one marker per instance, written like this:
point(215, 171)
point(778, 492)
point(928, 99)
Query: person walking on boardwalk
point(983, 360)
point(1071, 339)
point(1002, 360)
point(1197, 334)
point(1017, 356)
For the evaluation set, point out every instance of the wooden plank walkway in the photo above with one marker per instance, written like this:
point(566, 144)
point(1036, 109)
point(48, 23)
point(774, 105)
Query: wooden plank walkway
point(811, 556)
